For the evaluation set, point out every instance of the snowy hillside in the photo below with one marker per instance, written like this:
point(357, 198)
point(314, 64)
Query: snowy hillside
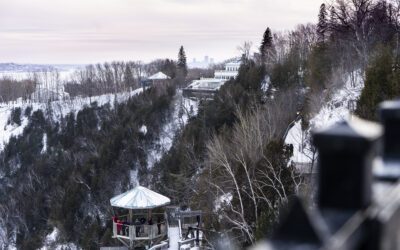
point(184, 108)
point(57, 109)
point(338, 108)
point(177, 114)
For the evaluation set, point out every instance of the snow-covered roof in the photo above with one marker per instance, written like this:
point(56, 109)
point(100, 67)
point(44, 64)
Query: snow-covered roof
point(159, 76)
point(139, 198)
point(235, 63)
point(206, 83)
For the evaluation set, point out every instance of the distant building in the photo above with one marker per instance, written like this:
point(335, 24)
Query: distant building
point(157, 78)
point(206, 87)
point(231, 71)
point(207, 62)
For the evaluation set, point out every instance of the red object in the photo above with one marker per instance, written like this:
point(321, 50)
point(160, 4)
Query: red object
point(119, 226)
point(115, 218)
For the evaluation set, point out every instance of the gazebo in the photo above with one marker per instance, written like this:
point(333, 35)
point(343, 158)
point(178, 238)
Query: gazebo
point(140, 226)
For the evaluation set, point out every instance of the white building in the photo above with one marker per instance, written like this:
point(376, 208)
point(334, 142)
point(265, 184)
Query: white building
point(231, 71)
point(206, 83)
point(206, 87)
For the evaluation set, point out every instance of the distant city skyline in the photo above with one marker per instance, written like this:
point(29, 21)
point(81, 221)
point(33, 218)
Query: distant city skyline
point(203, 63)
point(91, 31)
point(206, 58)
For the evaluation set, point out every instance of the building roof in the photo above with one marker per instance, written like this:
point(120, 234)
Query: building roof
point(236, 63)
point(159, 76)
point(139, 198)
point(206, 83)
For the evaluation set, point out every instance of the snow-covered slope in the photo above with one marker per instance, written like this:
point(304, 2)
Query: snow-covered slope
point(57, 110)
point(338, 108)
point(184, 108)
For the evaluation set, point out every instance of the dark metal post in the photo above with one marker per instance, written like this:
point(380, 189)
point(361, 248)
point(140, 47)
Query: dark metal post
point(346, 151)
point(389, 169)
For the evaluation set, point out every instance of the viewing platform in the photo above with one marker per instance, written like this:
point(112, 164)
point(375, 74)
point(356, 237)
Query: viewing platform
point(145, 224)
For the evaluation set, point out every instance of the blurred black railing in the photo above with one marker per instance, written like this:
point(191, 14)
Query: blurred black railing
point(358, 201)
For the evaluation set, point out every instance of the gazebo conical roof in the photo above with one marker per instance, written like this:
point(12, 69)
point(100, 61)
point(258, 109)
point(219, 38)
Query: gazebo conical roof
point(159, 76)
point(139, 198)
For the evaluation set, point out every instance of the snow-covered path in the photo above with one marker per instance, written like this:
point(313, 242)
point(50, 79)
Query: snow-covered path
point(338, 108)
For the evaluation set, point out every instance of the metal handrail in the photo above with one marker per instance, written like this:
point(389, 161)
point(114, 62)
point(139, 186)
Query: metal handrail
point(159, 246)
point(183, 242)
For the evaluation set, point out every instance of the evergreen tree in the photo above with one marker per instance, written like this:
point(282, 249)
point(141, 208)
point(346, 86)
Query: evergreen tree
point(319, 67)
point(169, 68)
point(266, 45)
point(16, 116)
point(128, 76)
point(382, 83)
point(182, 66)
point(322, 23)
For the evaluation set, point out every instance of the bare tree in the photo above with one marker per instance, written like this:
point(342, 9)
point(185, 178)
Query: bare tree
point(244, 175)
point(245, 49)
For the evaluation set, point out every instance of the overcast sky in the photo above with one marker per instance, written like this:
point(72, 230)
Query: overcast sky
point(90, 31)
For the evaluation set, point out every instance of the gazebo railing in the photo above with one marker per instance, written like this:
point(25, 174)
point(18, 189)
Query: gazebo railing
point(139, 232)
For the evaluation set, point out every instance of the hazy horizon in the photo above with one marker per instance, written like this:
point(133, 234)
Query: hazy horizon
point(91, 31)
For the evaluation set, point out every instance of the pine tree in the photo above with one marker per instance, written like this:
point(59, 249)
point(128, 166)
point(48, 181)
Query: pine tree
point(266, 45)
point(322, 23)
point(182, 66)
point(319, 67)
point(128, 77)
point(382, 83)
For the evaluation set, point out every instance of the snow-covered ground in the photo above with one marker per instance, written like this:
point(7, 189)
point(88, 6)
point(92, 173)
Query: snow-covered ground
point(336, 109)
point(184, 108)
point(51, 242)
point(58, 109)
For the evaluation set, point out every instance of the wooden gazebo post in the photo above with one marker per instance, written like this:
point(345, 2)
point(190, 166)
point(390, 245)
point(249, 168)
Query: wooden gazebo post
point(130, 216)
